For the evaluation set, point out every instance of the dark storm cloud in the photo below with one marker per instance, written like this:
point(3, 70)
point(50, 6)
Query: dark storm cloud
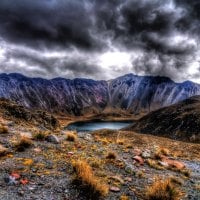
point(51, 23)
point(161, 35)
point(65, 65)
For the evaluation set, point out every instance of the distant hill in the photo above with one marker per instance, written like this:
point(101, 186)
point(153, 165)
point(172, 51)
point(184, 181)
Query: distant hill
point(131, 93)
point(11, 111)
point(180, 121)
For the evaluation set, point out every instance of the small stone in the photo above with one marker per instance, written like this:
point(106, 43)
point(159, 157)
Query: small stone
point(139, 159)
point(20, 192)
point(53, 139)
point(88, 137)
point(173, 163)
point(128, 179)
point(164, 164)
point(37, 150)
point(114, 189)
point(70, 154)
point(32, 188)
point(12, 179)
point(137, 152)
point(26, 134)
point(34, 170)
point(10, 123)
point(66, 191)
point(146, 154)
point(49, 165)
point(129, 169)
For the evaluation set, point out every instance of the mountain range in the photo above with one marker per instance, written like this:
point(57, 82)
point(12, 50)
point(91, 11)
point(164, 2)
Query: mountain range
point(132, 93)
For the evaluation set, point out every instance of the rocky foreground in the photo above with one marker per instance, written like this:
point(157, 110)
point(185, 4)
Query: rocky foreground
point(41, 164)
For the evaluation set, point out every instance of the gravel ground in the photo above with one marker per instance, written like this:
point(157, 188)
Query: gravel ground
point(48, 169)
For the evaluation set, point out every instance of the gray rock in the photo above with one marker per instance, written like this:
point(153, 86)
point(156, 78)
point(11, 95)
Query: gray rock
point(9, 180)
point(146, 154)
point(88, 137)
point(129, 169)
point(164, 164)
point(53, 139)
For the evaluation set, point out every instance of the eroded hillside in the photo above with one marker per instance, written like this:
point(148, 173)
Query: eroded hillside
point(179, 121)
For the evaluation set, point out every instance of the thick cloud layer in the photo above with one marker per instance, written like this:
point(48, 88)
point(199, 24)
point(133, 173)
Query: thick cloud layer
point(100, 39)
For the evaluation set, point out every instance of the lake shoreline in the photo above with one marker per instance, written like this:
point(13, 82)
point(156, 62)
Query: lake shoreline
point(98, 124)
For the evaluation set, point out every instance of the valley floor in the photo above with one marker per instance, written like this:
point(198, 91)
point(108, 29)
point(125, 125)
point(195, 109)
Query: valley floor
point(126, 162)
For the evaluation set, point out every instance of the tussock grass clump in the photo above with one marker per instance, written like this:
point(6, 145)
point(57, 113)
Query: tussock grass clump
point(120, 141)
point(124, 197)
point(40, 135)
point(71, 136)
point(23, 143)
point(163, 190)
point(164, 151)
point(3, 150)
point(111, 155)
point(154, 164)
point(186, 172)
point(161, 152)
point(3, 129)
point(86, 179)
point(176, 180)
point(141, 174)
point(96, 163)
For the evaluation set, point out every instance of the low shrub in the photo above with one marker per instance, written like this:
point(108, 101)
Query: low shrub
point(87, 181)
point(23, 143)
point(163, 190)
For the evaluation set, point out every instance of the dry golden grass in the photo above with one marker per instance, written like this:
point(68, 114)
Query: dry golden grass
point(71, 136)
point(121, 141)
point(154, 164)
point(87, 180)
point(95, 162)
point(124, 197)
point(164, 151)
point(23, 143)
point(3, 129)
point(103, 140)
point(111, 155)
point(176, 180)
point(186, 172)
point(28, 161)
point(197, 187)
point(3, 151)
point(141, 174)
point(40, 135)
point(129, 146)
point(163, 190)
point(161, 152)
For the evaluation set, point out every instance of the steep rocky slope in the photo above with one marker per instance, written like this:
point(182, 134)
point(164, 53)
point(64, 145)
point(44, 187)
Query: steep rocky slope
point(21, 115)
point(179, 121)
point(132, 93)
point(56, 95)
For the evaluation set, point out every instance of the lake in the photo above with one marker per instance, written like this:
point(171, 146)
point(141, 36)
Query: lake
point(97, 125)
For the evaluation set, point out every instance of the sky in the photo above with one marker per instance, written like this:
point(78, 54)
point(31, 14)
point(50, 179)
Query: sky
point(100, 39)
